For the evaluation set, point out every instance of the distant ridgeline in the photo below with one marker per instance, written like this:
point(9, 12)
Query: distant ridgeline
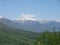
point(32, 24)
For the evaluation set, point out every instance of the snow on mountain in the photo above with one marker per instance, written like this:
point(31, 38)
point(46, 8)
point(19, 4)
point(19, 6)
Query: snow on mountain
point(30, 18)
point(31, 24)
point(1, 16)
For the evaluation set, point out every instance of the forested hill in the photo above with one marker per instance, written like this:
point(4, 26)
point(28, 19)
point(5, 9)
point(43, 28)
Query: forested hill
point(13, 36)
point(48, 38)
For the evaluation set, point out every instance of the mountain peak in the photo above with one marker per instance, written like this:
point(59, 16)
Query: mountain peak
point(26, 16)
point(2, 17)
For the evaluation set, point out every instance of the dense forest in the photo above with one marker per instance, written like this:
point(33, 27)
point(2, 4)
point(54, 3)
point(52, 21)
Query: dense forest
point(48, 38)
point(13, 36)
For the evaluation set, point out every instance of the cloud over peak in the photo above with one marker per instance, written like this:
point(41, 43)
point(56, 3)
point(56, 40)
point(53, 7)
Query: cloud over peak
point(26, 16)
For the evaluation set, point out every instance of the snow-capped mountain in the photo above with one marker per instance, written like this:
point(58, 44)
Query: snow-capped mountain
point(34, 25)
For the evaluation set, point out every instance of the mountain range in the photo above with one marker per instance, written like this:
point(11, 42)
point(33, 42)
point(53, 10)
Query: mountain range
point(34, 25)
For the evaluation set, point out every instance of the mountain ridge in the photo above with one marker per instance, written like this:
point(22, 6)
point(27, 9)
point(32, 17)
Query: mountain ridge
point(32, 25)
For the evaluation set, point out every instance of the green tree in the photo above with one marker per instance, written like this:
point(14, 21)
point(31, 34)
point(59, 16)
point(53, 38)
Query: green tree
point(48, 38)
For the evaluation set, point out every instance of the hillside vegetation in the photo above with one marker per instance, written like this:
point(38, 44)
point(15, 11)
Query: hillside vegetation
point(48, 38)
point(13, 36)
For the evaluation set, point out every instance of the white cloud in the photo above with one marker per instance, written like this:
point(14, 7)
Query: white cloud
point(26, 16)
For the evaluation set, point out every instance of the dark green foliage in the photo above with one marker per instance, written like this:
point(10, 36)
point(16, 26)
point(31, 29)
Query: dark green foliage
point(12, 36)
point(48, 38)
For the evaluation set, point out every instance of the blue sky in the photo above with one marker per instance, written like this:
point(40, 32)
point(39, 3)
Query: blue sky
point(42, 9)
